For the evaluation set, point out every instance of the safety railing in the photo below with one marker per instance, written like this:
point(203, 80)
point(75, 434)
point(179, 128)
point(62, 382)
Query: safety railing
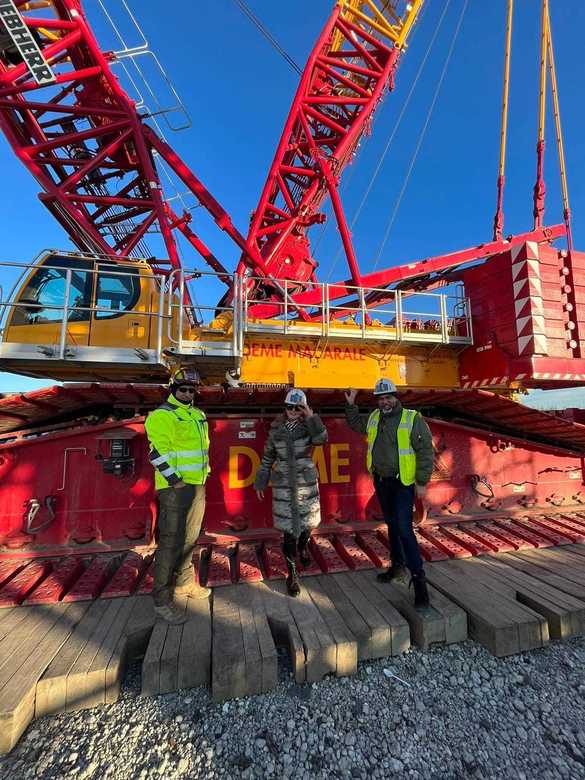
point(219, 327)
point(127, 58)
point(167, 307)
point(349, 311)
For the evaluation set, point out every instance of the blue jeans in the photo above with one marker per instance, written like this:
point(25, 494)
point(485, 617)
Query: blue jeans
point(397, 502)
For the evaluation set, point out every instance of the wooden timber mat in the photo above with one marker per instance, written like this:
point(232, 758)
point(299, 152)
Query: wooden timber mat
point(69, 656)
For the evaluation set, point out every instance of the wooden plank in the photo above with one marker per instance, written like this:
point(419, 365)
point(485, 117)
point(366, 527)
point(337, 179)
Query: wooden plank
point(350, 616)
point(79, 685)
point(574, 550)
point(195, 650)
point(454, 617)
point(566, 564)
point(379, 643)
point(427, 626)
point(319, 644)
point(399, 628)
point(139, 626)
point(265, 639)
point(346, 643)
point(169, 658)
point(52, 687)
point(531, 625)
point(151, 661)
point(240, 597)
point(228, 665)
point(486, 624)
point(20, 643)
point(283, 626)
point(549, 571)
point(105, 672)
point(10, 618)
point(565, 613)
point(17, 707)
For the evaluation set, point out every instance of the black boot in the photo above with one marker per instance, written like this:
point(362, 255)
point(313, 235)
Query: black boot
point(421, 594)
point(292, 581)
point(304, 555)
point(289, 548)
point(394, 572)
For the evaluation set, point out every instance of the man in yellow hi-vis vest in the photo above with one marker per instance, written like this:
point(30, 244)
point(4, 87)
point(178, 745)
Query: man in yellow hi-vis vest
point(400, 460)
point(179, 451)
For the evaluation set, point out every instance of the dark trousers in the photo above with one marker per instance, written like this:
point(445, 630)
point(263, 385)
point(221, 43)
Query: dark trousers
point(180, 517)
point(397, 502)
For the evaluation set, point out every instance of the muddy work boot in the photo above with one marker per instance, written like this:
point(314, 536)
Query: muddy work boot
point(193, 591)
point(170, 613)
point(292, 581)
point(394, 573)
point(421, 594)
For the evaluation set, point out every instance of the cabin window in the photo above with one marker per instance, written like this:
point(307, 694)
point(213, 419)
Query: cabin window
point(43, 298)
point(117, 292)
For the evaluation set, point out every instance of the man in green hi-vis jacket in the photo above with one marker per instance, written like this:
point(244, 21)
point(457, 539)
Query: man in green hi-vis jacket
point(179, 452)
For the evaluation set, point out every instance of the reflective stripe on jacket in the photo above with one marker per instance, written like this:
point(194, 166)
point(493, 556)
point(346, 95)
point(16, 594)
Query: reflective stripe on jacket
point(406, 454)
point(179, 444)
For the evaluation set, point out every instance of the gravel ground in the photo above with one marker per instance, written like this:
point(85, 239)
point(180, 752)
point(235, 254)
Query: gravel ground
point(448, 713)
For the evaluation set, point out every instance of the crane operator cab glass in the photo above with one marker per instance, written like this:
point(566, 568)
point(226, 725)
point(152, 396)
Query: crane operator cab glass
point(90, 302)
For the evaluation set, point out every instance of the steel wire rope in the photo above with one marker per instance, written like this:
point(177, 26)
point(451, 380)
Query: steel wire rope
point(421, 134)
point(268, 35)
point(386, 149)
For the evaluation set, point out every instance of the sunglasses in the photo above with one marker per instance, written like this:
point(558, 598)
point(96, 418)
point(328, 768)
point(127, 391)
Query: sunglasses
point(293, 407)
point(190, 390)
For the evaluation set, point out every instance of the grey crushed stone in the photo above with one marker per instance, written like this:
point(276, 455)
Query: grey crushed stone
point(464, 714)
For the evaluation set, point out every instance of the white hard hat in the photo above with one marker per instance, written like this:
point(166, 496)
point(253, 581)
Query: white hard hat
point(384, 386)
point(295, 397)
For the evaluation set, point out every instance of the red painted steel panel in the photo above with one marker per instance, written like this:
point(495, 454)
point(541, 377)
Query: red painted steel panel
point(93, 579)
point(9, 568)
point(273, 559)
point(326, 555)
point(353, 555)
point(114, 511)
point(539, 536)
point(524, 532)
point(445, 543)
point(247, 564)
point(16, 590)
point(489, 540)
point(64, 573)
point(374, 548)
point(218, 567)
point(467, 541)
point(560, 527)
point(126, 577)
point(574, 522)
point(508, 534)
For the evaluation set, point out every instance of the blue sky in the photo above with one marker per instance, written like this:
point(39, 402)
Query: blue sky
point(238, 91)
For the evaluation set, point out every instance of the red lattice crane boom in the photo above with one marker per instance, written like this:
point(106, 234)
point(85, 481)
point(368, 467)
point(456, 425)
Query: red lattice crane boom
point(73, 126)
point(351, 65)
